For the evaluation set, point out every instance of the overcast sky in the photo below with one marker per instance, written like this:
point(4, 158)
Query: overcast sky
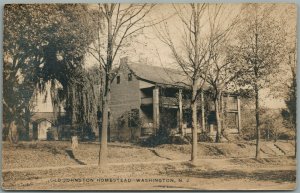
point(148, 47)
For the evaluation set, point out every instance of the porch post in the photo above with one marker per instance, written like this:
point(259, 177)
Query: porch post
point(180, 111)
point(202, 111)
point(239, 114)
point(30, 134)
point(156, 108)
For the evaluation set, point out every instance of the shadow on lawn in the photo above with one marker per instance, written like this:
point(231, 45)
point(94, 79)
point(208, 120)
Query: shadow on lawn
point(44, 147)
point(71, 155)
point(260, 175)
point(155, 153)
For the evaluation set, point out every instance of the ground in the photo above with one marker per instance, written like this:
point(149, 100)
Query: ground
point(224, 166)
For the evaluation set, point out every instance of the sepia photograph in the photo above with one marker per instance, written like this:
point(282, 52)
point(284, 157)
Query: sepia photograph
point(143, 96)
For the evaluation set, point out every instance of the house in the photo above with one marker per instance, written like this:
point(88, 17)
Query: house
point(145, 98)
point(44, 118)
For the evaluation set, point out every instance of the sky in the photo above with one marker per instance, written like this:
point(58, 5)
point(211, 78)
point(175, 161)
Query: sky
point(148, 48)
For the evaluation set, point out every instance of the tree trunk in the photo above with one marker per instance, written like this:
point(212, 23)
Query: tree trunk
point(195, 126)
point(103, 145)
point(13, 133)
point(106, 97)
point(180, 112)
point(202, 112)
point(27, 122)
point(257, 109)
point(194, 88)
point(218, 120)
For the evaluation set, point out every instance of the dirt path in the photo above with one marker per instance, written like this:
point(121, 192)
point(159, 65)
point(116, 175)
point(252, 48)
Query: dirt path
point(90, 165)
point(206, 163)
point(195, 179)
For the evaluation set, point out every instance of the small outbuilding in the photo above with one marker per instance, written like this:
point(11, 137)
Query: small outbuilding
point(41, 125)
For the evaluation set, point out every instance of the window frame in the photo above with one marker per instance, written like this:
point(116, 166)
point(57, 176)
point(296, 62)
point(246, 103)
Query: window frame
point(130, 78)
point(118, 79)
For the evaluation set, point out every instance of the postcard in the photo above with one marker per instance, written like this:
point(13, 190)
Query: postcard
point(112, 96)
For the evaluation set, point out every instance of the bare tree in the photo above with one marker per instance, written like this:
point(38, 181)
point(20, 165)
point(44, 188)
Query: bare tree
point(117, 24)
point(193, 54)
point(222, 71)
point(261, 41)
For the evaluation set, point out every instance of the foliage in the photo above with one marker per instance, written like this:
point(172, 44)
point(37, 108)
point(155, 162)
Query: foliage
point(42, 42)
point(290, 114)
point(273, 126)
point(164, 136)
point(129, 121)
point(82, 98)
point(21, 58)
point(260, 50)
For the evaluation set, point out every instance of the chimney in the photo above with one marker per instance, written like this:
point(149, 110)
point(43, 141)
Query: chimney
point(124, 60)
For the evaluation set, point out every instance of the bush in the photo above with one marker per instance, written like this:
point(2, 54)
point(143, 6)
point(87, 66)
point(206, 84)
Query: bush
point(164, 137)
point(52, 134)
point(272, 127)
point(248, 133)
point(205, 137)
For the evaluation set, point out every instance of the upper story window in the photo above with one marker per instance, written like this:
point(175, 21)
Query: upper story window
point(129, 76)
point(118, 79)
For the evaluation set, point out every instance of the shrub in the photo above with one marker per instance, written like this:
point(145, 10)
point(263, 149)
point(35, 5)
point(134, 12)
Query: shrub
point(205, 137)
point(164, 137)
point(248, 133)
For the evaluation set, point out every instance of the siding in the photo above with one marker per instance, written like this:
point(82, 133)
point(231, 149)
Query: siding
point(124, 97)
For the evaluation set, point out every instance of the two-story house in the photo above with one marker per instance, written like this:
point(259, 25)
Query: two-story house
point(147, 98)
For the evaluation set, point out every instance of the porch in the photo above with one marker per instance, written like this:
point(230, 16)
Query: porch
point(170, 109)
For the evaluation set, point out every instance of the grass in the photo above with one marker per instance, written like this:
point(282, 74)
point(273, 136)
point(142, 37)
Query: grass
point(223, 161)
point(58, 153)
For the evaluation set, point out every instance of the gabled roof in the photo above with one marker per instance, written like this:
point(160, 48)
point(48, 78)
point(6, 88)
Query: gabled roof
point(40, 116)
point(159, 75)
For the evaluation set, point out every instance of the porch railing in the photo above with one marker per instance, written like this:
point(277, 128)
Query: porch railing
point(147, 101)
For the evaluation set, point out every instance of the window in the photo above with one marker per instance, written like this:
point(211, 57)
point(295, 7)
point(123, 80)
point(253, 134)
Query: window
point(130, 77)
point(118, 79)
point(133, 118)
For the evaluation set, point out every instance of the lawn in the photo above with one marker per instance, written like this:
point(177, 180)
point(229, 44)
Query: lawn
point(49, 165)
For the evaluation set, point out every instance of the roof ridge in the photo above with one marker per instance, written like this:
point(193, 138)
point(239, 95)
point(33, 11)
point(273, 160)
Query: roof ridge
point(135, 63)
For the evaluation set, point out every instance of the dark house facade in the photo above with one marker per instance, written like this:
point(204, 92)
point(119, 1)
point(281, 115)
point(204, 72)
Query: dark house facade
point(147, 98)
